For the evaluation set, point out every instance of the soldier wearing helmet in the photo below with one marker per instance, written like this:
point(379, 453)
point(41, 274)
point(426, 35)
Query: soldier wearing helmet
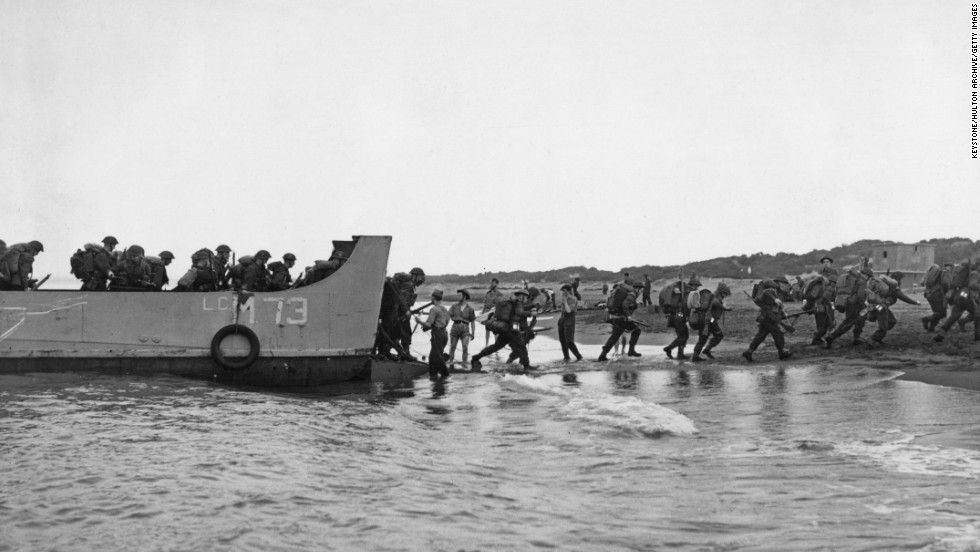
point(710, 327)
point(256, 276)
point(621, 304)
point(769, 320)
point(508, 311)
point(17, 266)
point(131, 272)
point(158, 269)
point(92, 264)
point(405, 285)
point(220, 264)
point(673, 302)
point(281, 279)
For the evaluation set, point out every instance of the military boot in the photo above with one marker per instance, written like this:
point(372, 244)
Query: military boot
point(696, 358)
point(602, 356)
point(632, 352)
point(939, 337)
point(925, 323)
point(668, 349)
point(828, 342)
point(783, 355)
point(747, 355)
point(681, 355)
point(707, 352)
point(475, 364)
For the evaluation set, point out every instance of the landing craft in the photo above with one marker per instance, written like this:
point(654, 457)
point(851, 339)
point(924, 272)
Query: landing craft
point(314, 335)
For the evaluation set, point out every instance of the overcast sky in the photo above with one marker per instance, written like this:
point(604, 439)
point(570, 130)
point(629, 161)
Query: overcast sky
point(485, 135)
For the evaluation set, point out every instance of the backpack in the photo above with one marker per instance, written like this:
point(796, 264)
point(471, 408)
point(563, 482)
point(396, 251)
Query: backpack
point(848, 290)
point(670, 297)
point(237, 272)
point(699, 300)
point(503, 309)
point(960, 277)
point(615, 304)
point(933, 276)
point(82, 263)
point(813, 290)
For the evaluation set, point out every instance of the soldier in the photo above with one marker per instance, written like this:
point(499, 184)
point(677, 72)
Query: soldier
point(322, 269)
point(436, 323)
point(158, 269)
point(769, 320)
point(854, 310)
point(405, 286)
point(17, 266)
point(621, 306)
point(464, 326)
point(131, 272)
point(882, 294)
point(507, 312)
point(220, 263)
point(818, 298)
point(937, 284)
point(202, 276)
point(576, 281)
point(92, 263)
point(673, 302)
point(281, 279)
point(963, 300)
point(647, 285)
point(256, 277)
point(489, 301)
point(566, 323)
point(710, 327)
point(3, 247)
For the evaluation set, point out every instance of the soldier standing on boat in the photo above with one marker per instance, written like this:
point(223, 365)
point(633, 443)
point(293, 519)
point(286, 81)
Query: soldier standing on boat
point(131, 272)
point(436, 324)
point(255, 277)
point(17, 266)
point(91, 264)
point(158, 269)
point(406, 285)
point(281, 279)
point(220, 263)
point(507, 313)
point(621, 305)
point(464, 326)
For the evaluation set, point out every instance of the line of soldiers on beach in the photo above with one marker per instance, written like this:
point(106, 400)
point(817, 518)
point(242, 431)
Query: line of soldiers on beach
point(857, 293)
point(104, 267)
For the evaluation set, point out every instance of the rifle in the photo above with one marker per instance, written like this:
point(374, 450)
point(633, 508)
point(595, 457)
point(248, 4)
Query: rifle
point(795, 314)
point(40, 283)
point(418, 310)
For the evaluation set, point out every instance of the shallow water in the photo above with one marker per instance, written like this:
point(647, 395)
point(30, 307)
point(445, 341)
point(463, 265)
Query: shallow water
point(623, 456)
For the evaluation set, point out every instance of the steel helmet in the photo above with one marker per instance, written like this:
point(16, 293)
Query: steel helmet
point(166, 255)
point(289, 257)
point(110, 240)
point(417, 272)
point(694, 281)
point(135, 250)
point(36, 245)
point(263, 254)
point(223, 249)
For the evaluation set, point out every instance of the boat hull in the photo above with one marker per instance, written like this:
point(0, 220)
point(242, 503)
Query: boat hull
point(315, 335)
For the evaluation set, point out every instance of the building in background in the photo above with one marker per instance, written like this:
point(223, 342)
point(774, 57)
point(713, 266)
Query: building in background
point(914, 259)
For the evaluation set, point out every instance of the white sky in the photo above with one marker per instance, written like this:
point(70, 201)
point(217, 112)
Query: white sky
point(485, 135)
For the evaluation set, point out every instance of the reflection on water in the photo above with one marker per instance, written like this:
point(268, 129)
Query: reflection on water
point(619, 456)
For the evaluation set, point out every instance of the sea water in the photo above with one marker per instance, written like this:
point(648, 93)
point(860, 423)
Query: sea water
point(642, 454)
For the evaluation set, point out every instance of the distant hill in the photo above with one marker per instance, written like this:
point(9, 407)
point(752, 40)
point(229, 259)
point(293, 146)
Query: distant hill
point(761, 264)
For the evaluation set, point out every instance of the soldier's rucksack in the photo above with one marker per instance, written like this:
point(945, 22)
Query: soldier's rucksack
point(156, 270)
point(848, 288)
point(699, 300)
point(670, 298)
point(813, 289)
point(83, 262)
point(503, 309)
point(960, 277)
point(933, 276)
point(237, 272)
point(615, 303)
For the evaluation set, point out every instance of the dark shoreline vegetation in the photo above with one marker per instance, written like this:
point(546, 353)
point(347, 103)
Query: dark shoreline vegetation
point(954, 250)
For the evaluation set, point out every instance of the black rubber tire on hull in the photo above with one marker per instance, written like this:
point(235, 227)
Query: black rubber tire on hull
point(235, 365)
